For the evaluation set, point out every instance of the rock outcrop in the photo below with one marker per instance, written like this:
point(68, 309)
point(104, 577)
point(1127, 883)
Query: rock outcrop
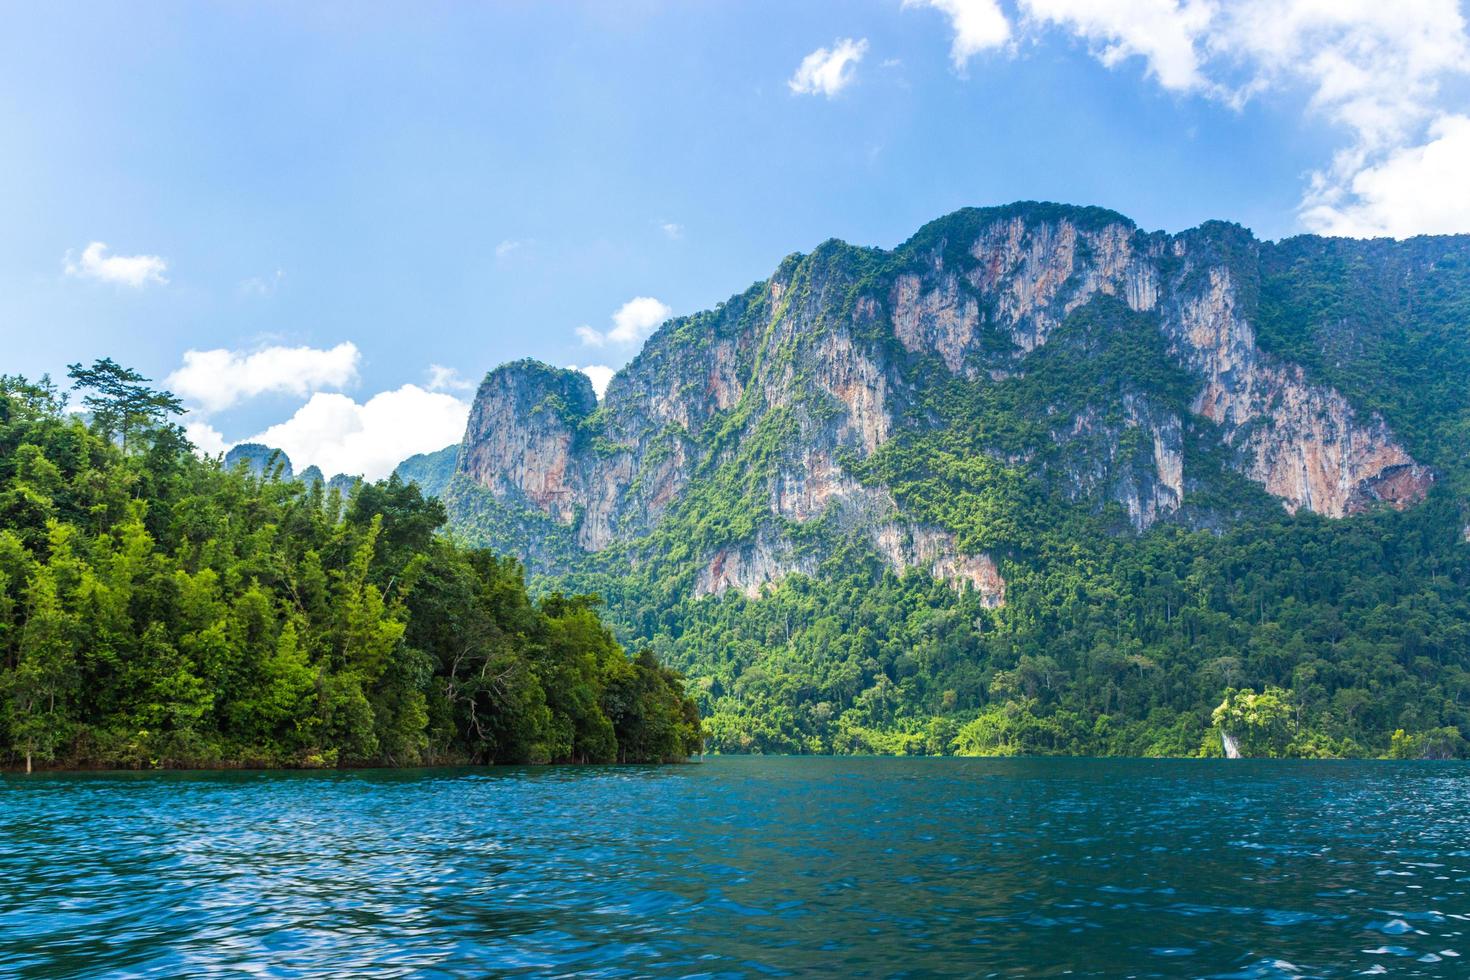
point(1304, 443)
point(519, 439)
point(771, 403)
point(259, 459)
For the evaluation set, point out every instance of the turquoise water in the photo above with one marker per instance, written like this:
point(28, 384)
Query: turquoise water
point(744, 867)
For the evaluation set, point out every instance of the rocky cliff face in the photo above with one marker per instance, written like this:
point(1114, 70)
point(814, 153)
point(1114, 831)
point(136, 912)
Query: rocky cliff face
point(1305, 443)
point(520, 435)
point(751, 423)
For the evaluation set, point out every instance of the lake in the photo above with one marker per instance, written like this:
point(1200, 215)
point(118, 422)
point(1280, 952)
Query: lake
point(744, 867)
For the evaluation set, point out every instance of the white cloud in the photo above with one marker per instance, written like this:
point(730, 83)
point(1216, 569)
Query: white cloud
point(1375, 69)
point(672, 230)
point(978, 26)
point(1162, 32)
point(829, 71)
point(1418, 190)
point(136, 271)
point(339, 435)
point(1371, 67)
point(632, 323)
point(443, 378)
point(600, 374)
point(637, 318)
point(508, 246)
point(213, 380)
point(206, 438)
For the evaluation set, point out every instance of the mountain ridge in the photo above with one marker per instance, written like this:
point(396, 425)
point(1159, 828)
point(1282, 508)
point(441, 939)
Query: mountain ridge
point(1009, 396)
point(575, 467)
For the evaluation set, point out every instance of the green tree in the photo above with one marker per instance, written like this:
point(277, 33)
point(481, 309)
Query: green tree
point(44, 673)
point(1260, 723)
point(120, 400)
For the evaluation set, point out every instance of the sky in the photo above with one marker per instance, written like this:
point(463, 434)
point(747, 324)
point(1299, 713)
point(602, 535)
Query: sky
point(321, 224)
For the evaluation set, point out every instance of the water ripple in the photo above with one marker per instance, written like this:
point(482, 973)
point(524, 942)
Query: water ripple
point(743, 868)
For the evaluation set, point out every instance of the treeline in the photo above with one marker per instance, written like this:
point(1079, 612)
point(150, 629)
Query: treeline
point(157, 609)
point(1360, 628)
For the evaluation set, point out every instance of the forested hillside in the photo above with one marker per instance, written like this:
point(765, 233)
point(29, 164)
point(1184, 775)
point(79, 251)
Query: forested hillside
point(1035, 481)
point(157, 609)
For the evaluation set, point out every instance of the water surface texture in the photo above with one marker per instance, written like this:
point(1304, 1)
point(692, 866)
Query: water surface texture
point(744, 867)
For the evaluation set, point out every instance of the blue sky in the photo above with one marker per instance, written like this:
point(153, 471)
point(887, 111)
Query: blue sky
point(325, 201)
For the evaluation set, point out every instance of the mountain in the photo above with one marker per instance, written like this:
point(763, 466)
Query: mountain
point(259, 459)
point(430, 472)
point(1036, 479)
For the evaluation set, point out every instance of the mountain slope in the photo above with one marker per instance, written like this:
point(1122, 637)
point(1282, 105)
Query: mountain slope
point(1014, 399)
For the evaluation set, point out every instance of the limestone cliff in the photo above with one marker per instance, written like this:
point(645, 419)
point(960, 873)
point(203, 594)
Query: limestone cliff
point(743, 443)
point(519, 438)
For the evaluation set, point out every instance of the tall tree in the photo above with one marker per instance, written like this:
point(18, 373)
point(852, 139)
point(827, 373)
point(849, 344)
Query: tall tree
point(120, 399)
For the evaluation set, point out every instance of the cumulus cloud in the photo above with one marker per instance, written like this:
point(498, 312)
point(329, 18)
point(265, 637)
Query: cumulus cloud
point(206, 438)
point(1416, 190)
point(214, 380)
point(827, 71)
point(370, 439)
point(600, 375)
point(135, 271)
point(978, 25)
point(632, 323)
point(506, 247)
point(443, 378)
point(1374, 69)
point(672, 230)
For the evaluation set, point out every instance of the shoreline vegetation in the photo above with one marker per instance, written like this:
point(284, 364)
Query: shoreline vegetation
point(158, 610)
point(163, 611)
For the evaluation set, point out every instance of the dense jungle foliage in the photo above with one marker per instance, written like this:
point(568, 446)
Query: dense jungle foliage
point(158, 609)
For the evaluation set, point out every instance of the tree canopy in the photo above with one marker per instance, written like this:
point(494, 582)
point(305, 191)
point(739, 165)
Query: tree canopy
point(157, 609)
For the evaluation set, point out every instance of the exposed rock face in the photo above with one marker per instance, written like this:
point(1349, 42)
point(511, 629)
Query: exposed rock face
point(750, 567)
point(1303, 442)
point(778, 393)
point(933, 549)
point(939, 320)
point(1040, 272)
point(1149, 485)
point(520, 434)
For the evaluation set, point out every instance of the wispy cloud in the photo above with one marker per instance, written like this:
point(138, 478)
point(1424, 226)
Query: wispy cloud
point(1413, 190)
point(443, 378)
point(135, 271)
point(262, 285)
point(214, 380)
point(827, 71)
point(507, 247)
point(632, 323)
point(672, 230)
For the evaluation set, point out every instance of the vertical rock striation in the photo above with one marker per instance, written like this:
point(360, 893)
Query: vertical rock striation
point(771, 402)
